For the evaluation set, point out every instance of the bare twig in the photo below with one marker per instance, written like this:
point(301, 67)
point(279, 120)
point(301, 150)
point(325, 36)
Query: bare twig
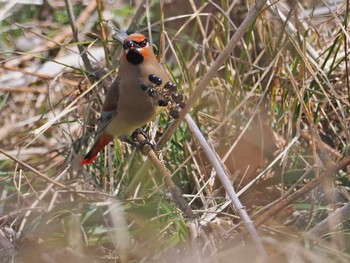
point(161, 31)
point(103, 32)
point(74, 27)
point(175, 191)
point(34, 170)
point(25, 153)
point(26, 72)
point(24, 89)
point(212, 157)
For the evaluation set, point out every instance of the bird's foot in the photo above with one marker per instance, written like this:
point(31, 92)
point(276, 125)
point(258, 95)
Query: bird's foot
point(124, 138)
point(141, 138)
point(138, 139)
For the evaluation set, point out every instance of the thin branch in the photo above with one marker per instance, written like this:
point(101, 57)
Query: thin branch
point(103, 32)
point(212, 157)
point(34, 170)
point(161, 31)
point(75, 32)
point(174, 190)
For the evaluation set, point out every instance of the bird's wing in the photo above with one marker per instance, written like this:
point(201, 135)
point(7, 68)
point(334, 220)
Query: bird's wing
point(109, 111)
point(105, 118)
point(110, 106)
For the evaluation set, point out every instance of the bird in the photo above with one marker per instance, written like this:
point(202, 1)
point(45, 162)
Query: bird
point(130, 102)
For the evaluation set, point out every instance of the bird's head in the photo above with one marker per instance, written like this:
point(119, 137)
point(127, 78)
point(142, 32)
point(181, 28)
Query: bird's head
point(136, 48)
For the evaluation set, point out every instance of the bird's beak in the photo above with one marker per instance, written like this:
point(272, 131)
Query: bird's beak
point(119, 35)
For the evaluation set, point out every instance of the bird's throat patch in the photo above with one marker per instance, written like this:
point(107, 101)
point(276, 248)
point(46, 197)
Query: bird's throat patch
point(134, 57)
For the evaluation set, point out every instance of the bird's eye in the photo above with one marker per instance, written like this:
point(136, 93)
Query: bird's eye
point(143, 43)
point(128, 44)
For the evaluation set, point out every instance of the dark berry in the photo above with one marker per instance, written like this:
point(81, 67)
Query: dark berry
point(163, 103)
point(170, 86)
point(182, 105)
point(174, 113)
point(154, 79)
point(144, 87)
point(151, 92)
point(177, 97)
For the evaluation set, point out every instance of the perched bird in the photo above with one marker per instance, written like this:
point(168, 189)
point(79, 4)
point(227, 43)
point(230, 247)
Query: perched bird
point(130, 103)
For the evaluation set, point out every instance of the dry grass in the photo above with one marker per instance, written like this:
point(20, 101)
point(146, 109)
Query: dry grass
point(276, 112)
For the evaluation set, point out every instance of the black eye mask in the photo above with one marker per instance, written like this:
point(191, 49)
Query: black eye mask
point(134, 44)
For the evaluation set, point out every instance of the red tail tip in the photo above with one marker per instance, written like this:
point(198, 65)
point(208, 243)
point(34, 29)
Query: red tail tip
point(87, 161)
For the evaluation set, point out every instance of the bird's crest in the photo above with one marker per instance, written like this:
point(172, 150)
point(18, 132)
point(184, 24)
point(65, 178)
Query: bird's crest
point(137, 37)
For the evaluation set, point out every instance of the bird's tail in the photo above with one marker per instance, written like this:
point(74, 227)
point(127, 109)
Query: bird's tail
point(100, 141)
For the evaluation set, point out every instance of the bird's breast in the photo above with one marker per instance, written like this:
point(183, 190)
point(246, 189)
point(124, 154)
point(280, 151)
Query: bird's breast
point(135, 105)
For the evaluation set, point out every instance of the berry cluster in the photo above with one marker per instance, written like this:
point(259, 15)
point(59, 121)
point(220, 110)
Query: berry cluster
point(168, 96)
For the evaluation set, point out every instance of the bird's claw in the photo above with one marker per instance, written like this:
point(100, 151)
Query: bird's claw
point(141, 143)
